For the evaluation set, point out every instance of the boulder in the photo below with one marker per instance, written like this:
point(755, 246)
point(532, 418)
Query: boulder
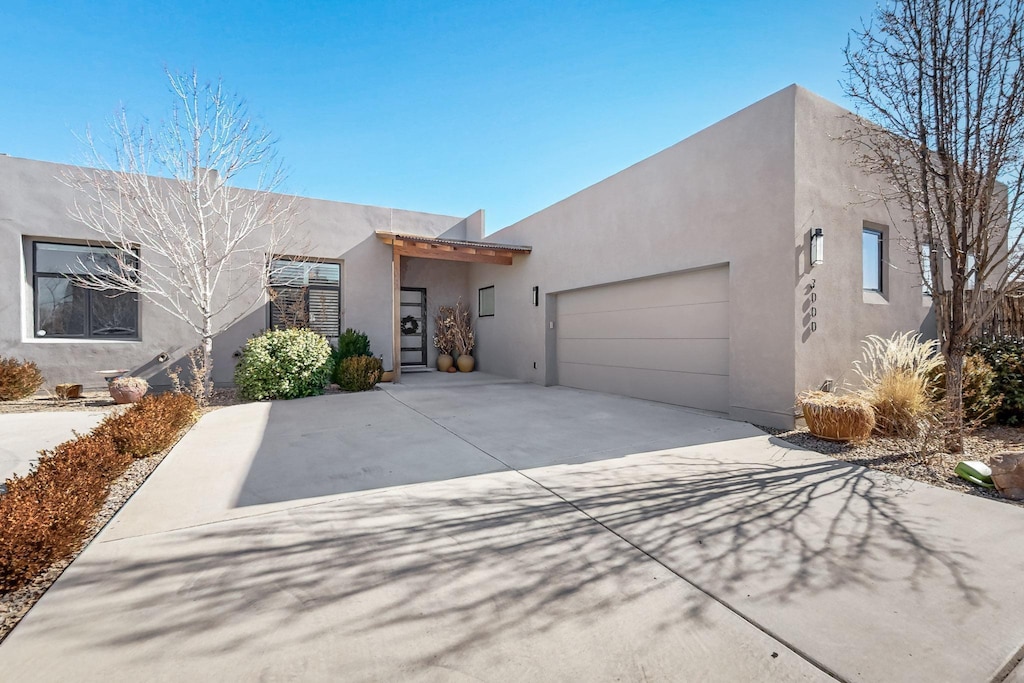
point(1008, 474)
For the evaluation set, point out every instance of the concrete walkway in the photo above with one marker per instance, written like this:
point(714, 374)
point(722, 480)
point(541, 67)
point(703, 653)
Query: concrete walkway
point(23, 435)
point(510, 532)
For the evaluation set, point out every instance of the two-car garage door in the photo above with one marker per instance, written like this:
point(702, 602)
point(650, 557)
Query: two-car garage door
point(664, 338)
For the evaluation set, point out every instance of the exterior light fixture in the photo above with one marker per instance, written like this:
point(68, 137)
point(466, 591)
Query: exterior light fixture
point(817, 246)
point(536, 296)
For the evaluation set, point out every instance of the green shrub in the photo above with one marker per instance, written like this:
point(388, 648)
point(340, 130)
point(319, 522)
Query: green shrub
point(283, 364)
point(351, 343)
point(981, 402)
point(18, 379)
point(1006, 358)
point(150, 425)
point(358, 373)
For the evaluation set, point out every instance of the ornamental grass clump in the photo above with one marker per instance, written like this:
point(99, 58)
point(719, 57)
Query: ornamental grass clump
point(18, 379)
point(837, 418)
point(896, 374)
point(281, 364)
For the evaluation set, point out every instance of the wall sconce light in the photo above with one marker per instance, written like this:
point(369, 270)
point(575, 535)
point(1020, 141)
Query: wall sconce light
point(817, 246)
point(536, 296)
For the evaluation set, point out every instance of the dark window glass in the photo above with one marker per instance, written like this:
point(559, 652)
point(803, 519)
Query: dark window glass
point(872, 260)
point(485, 302)
point(306, 295)
point(65, 309)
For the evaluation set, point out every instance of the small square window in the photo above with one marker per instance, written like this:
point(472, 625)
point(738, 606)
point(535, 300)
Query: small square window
point(872, 260)
point(485, 302)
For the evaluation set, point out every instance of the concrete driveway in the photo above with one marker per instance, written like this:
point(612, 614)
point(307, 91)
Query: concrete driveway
point(504, 531)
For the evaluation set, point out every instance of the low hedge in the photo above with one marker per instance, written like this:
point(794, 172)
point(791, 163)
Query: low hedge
point(47, 514)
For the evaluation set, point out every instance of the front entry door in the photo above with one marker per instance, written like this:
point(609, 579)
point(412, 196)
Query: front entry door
point(412, 323)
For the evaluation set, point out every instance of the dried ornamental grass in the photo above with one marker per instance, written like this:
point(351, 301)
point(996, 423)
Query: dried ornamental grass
point(837, 418)
point(897, 380)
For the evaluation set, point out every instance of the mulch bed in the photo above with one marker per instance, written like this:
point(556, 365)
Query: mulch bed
point(914, 459)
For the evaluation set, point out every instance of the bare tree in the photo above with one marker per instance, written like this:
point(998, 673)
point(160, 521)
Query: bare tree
point(186, 238)
point(941, 84)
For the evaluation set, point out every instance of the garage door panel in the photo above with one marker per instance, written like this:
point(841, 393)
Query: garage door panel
point(700, 321)
point(706, 356)
point(662, 339)
point(700, 286)
point(710, 392)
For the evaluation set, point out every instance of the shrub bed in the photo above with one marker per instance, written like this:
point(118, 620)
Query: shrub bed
point(18, 379)
point(283, 364)
point(47, 514)
point(1006, 358)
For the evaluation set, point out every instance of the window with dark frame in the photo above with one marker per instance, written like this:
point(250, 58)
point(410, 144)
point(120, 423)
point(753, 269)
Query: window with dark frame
point(306, 294)
point(485, 302)
point(873, 255)
point(64, 309)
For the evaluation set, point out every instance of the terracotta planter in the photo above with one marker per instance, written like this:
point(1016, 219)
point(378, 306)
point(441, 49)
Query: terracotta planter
point(465, 363)
point(444, 361)
point(388, 376)
point(127, 393)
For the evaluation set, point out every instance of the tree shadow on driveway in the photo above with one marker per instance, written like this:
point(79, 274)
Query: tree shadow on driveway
point(464, 573)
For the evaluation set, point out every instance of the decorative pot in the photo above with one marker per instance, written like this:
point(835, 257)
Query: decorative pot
point(388, 376)
point(66, 392)
point(453, 369)
point(465, 363)
point(444, 361)
point(127, 389)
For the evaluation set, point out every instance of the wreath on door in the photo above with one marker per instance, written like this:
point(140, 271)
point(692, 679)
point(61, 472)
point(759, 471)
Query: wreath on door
point(410, 325)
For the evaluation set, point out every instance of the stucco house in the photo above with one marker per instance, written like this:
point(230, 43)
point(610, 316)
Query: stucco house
point(688, 278)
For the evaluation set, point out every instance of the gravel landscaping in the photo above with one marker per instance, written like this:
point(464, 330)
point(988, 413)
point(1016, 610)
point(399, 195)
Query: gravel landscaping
point(916, 458)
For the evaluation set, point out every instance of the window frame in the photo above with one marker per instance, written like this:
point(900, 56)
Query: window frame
point(479, 303)
point(881, 259)
point(87, 335)
point(340, 289)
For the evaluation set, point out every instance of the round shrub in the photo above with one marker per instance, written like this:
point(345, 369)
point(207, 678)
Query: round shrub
point(980, 400)
point(358, 373)
point(283, 364)
point(18, 379)
point(1005, 355)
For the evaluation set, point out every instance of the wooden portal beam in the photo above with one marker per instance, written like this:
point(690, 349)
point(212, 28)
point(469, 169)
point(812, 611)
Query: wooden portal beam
point(396, 302)
point(456, 254)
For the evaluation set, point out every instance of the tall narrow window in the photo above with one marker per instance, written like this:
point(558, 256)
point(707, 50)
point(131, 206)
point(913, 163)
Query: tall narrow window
point(872, 260)
point(64, 309)
point(305, 294)
point(485, 302)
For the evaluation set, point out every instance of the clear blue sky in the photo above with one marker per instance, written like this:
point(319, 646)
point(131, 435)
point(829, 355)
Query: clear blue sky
point(433, 106)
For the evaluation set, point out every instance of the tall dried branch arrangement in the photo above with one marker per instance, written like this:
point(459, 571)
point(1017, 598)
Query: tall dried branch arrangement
point(941, 86)
point(188, 239)
point(444, 322)
point(462, 329)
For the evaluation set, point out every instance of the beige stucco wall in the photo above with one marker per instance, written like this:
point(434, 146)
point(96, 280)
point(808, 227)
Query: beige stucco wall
point(830, 194)
point(723, 196)
point(34, 203)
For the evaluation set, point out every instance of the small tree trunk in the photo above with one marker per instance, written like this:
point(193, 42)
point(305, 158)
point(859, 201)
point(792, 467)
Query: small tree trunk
point(207, 362)
point(955, 398)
